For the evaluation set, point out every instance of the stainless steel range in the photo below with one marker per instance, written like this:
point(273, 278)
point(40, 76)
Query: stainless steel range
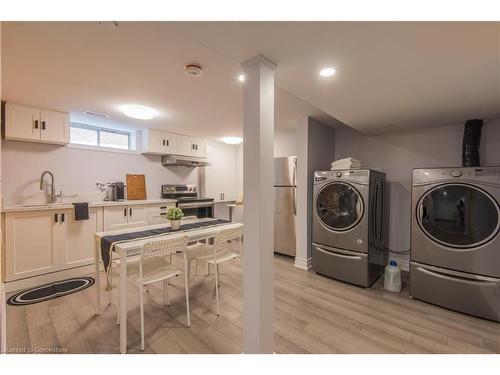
point(188, 200)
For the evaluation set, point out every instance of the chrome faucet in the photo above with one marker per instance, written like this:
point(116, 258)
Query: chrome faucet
point(52, 186)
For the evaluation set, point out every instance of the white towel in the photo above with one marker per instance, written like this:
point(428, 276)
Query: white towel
point(346, 163)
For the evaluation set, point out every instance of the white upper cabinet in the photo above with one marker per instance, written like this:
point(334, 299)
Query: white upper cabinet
point(24, 123)
point(220, 176)
point(157, 142)
point(200, 148)
point(193, 147)
point(55, 127)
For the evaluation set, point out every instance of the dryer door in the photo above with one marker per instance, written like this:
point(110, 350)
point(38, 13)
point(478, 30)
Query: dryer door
point(339, 206)
point(458, 216)
point(456, 227)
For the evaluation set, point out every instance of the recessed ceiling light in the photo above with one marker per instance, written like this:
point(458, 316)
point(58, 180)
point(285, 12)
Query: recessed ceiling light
point(232, 140)
point(327, 72)
point(139, 112)
point(241, 78)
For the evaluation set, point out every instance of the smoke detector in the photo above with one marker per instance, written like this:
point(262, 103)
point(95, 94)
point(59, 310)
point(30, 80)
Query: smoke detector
point(194, 70)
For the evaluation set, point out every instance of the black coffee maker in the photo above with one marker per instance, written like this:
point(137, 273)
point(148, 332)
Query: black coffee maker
point(117, 191)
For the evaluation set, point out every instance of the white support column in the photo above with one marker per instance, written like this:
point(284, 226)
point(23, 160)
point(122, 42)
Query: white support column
point(258, 135)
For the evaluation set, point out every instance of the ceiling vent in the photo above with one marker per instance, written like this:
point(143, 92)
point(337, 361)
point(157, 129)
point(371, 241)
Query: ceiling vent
point(194, 70)
point(96, 114)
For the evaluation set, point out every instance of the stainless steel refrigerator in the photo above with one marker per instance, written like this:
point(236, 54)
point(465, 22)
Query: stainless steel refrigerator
point(285, 204)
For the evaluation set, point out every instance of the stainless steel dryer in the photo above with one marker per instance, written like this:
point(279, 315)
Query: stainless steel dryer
point(349, 225)
point(455, 242)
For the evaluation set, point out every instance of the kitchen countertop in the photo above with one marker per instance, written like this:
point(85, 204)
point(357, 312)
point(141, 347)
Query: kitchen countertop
point(65, 206)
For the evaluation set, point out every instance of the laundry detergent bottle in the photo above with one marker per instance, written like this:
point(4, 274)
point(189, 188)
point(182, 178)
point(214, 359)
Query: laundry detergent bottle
point(392, 277)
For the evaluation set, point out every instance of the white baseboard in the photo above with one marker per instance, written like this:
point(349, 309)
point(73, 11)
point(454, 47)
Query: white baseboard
point(302, 263)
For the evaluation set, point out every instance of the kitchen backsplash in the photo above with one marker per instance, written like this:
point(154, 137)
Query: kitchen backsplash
point(78, 170)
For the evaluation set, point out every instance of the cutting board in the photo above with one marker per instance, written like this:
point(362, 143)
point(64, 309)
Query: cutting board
point(136, 186)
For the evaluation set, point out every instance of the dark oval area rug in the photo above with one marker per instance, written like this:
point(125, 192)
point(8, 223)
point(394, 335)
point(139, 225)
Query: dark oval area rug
point(50, 291)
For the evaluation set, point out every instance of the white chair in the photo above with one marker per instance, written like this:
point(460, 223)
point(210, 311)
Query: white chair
point(153, 267)
point(223, 250)
point(133, 258)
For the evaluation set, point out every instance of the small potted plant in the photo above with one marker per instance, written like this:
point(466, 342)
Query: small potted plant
point(175, 215)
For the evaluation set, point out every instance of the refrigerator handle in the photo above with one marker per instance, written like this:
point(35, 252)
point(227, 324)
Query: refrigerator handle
point(294, 198)
point(294, 180)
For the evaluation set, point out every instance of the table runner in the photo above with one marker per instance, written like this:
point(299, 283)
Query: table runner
point(107, 242)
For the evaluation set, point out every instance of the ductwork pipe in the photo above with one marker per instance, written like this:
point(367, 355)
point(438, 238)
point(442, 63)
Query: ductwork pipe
point(471, 143)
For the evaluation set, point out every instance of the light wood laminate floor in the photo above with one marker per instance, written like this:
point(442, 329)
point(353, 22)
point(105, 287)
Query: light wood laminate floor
point(313, 314)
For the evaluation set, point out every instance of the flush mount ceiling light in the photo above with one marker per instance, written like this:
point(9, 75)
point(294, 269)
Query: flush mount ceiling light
point(241, 78)
point(139, 112)
point(232, 140)
point(327, 72)
point(194, 70)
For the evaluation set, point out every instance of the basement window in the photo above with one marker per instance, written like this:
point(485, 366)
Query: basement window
point(99, 137)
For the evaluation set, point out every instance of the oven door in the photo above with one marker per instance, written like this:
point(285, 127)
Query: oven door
point(200, 210)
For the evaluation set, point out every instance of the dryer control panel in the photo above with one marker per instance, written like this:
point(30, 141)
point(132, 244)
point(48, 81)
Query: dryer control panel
point(471, 174)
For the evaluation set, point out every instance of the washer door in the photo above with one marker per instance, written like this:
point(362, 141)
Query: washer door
point(458, 215)
point(339, 206)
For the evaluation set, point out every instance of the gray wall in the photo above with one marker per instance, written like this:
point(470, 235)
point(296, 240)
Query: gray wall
point(397, 154)
point(315, 151)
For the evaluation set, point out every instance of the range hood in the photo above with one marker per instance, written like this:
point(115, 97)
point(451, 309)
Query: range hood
point(183, 161)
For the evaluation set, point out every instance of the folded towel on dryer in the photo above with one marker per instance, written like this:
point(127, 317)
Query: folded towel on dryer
point(346, 163)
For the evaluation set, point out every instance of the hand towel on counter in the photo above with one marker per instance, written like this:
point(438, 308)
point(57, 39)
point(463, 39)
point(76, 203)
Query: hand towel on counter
point(346, 163)
point(81, 211)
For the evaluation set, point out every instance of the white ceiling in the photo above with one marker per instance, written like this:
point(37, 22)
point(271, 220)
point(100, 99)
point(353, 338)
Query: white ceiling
point(391, 76)
point(77, 66)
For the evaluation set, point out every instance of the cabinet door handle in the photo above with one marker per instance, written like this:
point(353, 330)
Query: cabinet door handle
point(130, 211)
point(43, 125)
point(36, 124)
point(222, 196)
point(163, 142)
point(168, 143)
point(62, 218)
point(56, 218)
point(124, 212)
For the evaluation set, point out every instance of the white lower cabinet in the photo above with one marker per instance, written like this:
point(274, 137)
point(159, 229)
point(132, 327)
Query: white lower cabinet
point(114, 215)
point(137, 213)
point(41, 242)
point(78, 238)
point(32, 243)
point(151, 214)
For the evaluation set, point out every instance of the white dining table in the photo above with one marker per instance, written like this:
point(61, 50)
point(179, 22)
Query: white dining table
point(133, 247)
